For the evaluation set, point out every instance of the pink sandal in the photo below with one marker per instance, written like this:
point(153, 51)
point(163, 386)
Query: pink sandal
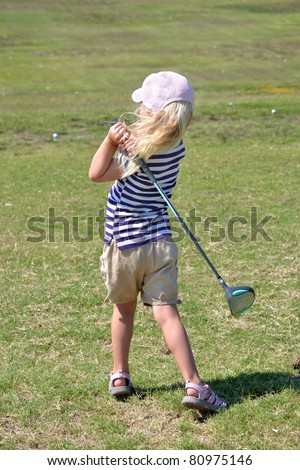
point(207, 400)
point(123, 390)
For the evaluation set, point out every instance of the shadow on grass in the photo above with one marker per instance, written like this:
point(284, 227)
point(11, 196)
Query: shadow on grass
point(254, 385)
point(236, 389)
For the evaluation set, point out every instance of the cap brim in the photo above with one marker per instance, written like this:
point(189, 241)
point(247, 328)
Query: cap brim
point(137, 96)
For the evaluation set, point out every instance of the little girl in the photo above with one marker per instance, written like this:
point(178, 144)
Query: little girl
point(139, 255)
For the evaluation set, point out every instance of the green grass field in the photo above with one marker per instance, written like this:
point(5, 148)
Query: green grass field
point(69, 67)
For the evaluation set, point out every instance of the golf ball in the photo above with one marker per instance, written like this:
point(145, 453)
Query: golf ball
point(55, 135)
point(273, 111)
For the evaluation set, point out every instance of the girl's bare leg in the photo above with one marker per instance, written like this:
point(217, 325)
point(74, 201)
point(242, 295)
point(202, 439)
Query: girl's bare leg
point(176, 338)
point(121, 334)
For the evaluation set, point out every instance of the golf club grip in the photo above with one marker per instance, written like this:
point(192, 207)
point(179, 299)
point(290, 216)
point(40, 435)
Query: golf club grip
point(143, 165)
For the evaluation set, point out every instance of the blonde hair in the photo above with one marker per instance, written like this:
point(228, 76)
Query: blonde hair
point(156, 131)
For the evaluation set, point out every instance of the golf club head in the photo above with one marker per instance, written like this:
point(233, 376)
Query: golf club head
point(240, 298)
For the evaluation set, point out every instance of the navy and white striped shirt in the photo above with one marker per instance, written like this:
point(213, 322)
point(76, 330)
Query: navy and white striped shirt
point(136, 213)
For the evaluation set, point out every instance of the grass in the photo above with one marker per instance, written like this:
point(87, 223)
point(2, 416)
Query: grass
point(69, 69)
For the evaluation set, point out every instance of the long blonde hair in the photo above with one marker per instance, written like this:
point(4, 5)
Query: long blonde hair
point(156, 131)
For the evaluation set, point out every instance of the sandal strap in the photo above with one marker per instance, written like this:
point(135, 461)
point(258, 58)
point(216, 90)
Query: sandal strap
point(205, 393)
point(119, 375)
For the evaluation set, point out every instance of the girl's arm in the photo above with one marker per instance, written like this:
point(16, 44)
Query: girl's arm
point(103, 167)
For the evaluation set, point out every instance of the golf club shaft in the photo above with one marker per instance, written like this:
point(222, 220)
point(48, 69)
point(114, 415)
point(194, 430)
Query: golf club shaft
point(143, 165)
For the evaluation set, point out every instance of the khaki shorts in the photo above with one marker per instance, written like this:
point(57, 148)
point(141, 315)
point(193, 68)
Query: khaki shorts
point(150, 269)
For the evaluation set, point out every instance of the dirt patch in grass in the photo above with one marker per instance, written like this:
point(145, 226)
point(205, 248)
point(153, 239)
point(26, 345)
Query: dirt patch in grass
point(152, 423)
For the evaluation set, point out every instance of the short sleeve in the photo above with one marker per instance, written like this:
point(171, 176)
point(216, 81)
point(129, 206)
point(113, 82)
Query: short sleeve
point(122, 160)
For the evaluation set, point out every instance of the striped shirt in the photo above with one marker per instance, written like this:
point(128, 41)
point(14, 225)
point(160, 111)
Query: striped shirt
point(136, 213)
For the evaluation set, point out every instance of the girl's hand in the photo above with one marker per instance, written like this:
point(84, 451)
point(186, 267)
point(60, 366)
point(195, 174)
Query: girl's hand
point(118, 134)
point(129, 145)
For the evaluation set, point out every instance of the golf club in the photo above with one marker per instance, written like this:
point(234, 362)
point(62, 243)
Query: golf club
point(239, 298)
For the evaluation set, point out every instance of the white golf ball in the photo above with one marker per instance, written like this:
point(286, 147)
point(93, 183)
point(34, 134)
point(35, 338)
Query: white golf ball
point(273, 111)
point(55, 135)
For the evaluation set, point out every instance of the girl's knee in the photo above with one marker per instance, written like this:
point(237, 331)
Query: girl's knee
point(164, 313)
point(127, 308)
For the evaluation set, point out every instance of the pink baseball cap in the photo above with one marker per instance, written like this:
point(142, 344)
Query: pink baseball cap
point(162, 88)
